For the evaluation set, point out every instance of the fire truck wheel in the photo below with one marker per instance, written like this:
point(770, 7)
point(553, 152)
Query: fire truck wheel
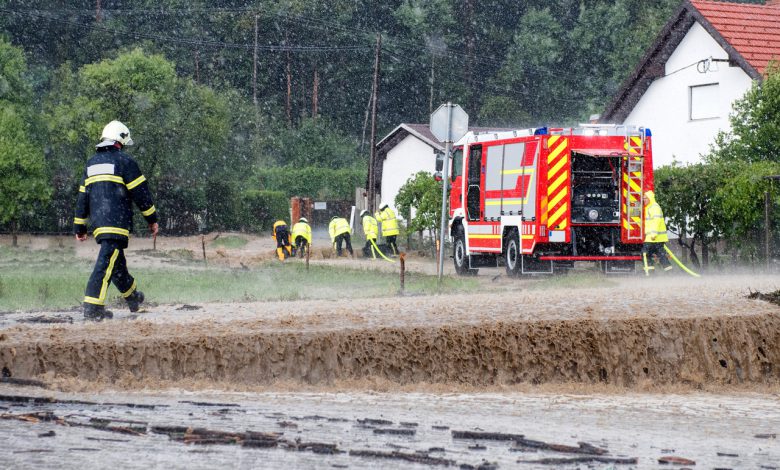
point(459, 254)
point(512, 254)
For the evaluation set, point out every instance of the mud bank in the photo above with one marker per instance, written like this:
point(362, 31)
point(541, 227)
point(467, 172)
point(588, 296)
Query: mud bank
point(629, 352)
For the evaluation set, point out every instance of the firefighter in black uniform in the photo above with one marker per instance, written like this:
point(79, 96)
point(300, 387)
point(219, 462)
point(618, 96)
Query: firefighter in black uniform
point(112, 181)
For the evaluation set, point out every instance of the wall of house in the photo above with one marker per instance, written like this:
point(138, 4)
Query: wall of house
point(666, 106)
point(410, 156)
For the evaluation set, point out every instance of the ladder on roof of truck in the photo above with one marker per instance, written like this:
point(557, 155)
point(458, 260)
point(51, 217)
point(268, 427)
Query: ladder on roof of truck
point(635, 147)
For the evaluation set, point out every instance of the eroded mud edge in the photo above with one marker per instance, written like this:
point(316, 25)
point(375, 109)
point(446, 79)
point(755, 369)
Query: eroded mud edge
point(723, 350)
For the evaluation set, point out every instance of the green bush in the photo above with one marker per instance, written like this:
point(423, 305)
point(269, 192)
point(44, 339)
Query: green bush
point(320, 183)
point(262, 208)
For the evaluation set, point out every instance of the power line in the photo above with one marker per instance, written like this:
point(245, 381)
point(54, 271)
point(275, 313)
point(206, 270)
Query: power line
point(197, 42)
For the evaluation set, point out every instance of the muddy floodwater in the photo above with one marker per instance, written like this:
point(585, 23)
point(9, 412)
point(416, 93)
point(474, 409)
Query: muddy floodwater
point(386, 430)
point(661, 373)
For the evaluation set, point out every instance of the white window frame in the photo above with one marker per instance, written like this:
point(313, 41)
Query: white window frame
point(713, 114)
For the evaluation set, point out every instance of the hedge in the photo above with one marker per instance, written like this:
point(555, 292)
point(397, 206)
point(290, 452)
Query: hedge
point(320, 183)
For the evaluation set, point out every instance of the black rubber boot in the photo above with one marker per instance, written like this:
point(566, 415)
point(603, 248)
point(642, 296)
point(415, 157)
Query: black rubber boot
point(94, 312)
point(135, 300)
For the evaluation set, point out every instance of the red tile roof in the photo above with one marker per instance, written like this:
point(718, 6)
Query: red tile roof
point(752, 29)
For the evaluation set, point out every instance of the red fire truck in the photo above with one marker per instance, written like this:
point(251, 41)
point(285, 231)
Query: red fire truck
point(538, 200)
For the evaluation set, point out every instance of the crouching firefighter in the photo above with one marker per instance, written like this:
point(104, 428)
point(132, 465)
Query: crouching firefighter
point(655, 235)
point(112, 181)
point(386, 216)
point(301, 236)
point(340, 232)
point(282, 236)
point(371, 231)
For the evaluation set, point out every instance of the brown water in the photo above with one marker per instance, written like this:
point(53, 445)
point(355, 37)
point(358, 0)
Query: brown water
point(714, 430)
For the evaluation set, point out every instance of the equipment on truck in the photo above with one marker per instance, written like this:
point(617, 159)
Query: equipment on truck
point(540, 199)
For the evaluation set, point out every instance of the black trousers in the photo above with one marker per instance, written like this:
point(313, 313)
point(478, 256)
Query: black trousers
point(391, 243)
point(344, 238)
point(369, 250)
point(301, 245)
point(656, 249)
point(110, 267)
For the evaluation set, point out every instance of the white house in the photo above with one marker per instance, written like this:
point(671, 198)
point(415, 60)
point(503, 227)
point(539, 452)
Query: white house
point(706, 57)
point(405, 151)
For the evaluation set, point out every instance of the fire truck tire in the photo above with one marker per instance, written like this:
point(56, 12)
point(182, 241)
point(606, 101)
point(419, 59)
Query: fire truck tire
point(512, 254)
point(459, 255)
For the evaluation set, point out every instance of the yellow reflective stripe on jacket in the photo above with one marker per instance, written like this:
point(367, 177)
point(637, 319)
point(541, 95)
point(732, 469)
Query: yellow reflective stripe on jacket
point(148, 211)
point(79, 221)
point(111, 230)
point(136, 182)
point(82, 189)
point(99, 178)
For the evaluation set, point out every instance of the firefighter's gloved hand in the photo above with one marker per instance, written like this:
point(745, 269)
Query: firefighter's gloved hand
point(82, 237)
point(652, 238)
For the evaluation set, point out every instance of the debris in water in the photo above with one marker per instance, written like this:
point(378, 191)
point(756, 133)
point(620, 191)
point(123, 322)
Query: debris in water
point(523, 445)
point(765, 436)
point(22, 382)
point(47, 434)
point(189, 307)
point(724, 454)
point(374, 422)
point(203, 403)
point(489, 436)
point(396, 432)
point(395, 455)
point(671, 459)
point(477, 447)
point(47, 319)
point(591, 459)
point(772, 297)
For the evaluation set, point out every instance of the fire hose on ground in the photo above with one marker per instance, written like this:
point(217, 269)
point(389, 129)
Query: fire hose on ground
point(674, 258)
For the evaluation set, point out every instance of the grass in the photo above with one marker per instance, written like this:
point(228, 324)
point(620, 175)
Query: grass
point(229, 241)
point(32, 280)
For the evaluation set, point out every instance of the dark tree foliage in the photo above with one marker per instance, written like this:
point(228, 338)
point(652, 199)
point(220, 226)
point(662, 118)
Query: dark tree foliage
point(220, 93)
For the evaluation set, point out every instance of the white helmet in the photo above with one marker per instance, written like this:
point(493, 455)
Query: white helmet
point(363, 213)
point(383, 206)
point(117, 132)
point(303, 219)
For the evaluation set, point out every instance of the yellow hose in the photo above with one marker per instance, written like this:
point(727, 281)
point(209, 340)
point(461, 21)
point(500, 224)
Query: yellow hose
point(380, 251)
point(682, 266)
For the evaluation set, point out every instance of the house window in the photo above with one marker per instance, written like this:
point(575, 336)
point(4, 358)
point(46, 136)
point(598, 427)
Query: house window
point(703, 101)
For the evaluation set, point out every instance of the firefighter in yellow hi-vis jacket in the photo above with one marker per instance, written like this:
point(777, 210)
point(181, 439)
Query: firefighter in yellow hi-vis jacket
point(340, 232)
point(371, 231)
point(386, 216)
point(112, 182)
point(282, 236)
point(301, 237)
point(655, 235)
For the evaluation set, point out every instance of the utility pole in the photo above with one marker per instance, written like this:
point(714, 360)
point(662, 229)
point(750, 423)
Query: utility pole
point(315, 94)
point(430, 103)
point(254, 67)
point(372, 158)
point(288, 103)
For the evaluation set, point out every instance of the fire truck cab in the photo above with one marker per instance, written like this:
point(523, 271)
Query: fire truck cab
point(537, 200)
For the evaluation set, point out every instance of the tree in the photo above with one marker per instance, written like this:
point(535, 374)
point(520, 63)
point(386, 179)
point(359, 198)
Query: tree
point(687, 195)
point(23, 179)
point(755, 124)
point(419, 202)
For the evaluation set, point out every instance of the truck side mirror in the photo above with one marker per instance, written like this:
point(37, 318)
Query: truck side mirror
point(439, 161)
